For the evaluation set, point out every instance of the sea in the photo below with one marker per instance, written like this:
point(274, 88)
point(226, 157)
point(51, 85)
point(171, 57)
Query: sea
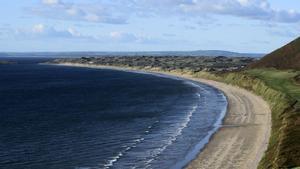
point(59, 117)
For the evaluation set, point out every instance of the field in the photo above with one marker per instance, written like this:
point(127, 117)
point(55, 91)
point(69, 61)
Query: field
point(279, 80)
point(284, 146)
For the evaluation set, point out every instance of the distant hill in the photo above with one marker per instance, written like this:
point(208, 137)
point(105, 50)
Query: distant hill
point(286, 57)
point(213, 53)
point(4, 55)
point(225, 53)
point(152, 53)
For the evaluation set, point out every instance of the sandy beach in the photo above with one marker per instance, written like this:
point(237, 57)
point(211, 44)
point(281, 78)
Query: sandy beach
point(242, 139)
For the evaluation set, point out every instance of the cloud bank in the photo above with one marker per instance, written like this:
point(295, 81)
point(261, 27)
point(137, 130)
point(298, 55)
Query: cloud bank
point(120, 11)
point(108, 12)
point(41, 31)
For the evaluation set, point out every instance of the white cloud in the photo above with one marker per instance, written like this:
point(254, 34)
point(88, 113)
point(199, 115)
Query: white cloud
point(41, 31)
point(50, 2)
point(92, 17)
point(251, 9)
point(44, 32)
point(102, 12)
point(39, 28)
point(243, 2)
point(127, 37)
point(74, 33)
point(120, 11)
point(116, 34)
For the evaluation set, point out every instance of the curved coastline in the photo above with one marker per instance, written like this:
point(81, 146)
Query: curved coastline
point(242, 139)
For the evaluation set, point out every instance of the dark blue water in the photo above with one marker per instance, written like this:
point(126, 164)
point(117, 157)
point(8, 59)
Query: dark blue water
point(55, 117)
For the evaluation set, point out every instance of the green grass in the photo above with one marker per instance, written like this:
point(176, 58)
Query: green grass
point(279, 80)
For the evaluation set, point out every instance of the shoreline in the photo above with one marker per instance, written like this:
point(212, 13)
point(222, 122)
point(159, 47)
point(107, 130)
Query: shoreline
point(243, 136)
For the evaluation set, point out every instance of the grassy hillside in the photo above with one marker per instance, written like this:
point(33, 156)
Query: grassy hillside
point(287, 57)
point(284, 148)
point(282, 93)
point(280, 80)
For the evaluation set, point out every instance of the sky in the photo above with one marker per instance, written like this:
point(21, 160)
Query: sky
point(256, 26)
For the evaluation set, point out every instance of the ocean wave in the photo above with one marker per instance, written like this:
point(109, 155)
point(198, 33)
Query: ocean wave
point(156, 152)
point(179, 129)
point(200, 145)
point(191, 83)
point(114, 159)
point(178, 132)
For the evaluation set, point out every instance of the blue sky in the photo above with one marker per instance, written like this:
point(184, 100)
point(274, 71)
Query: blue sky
point(148, 25)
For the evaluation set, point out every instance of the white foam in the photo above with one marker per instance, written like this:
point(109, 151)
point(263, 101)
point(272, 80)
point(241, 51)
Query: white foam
point(112, 160)
point(191, 83)
point(139, 140)
point(191, 155)
point(127, 148)
point(121, 153)
point(178, 132)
